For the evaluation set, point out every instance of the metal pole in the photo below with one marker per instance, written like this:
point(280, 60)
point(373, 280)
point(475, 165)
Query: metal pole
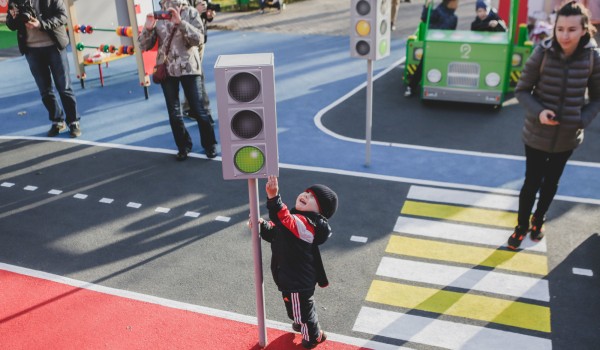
point(369, 109)
point(258, 271)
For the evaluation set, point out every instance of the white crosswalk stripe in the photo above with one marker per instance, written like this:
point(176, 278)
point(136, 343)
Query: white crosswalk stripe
point(503, 287)
point(445, 334)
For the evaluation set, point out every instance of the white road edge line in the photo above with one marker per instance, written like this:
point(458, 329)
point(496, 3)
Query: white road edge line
point(317, 120)
point(319, 169)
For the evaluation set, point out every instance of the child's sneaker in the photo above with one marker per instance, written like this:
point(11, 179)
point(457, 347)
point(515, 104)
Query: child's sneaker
point(514, 241)
point(313, 344)
point(537, 228)
point(296, 327)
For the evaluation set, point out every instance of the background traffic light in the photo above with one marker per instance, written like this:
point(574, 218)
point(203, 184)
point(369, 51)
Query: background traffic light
point(247, 118)
point(370, 28)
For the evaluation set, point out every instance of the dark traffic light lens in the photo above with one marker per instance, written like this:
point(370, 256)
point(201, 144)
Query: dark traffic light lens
point(244, 87)
point(249, 159)
point(363, 7)
point(363, 48)
point(246, 124)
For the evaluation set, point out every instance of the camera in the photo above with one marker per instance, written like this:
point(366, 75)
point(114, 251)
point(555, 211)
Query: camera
point(213, 7)
point(162, 15)
point(25, 9)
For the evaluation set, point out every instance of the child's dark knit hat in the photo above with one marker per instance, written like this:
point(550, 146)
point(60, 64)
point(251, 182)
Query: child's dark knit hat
point(482, 4)
point(327, 199)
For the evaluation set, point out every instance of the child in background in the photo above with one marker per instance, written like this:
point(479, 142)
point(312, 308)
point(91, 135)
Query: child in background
point(487, 19)
point(296, 262)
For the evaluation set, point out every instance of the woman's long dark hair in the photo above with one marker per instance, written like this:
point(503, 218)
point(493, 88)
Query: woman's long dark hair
point(574, 8)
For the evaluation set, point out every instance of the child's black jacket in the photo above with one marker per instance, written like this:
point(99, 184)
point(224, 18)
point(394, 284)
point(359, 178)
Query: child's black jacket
point(484, 25)
point(296, 262)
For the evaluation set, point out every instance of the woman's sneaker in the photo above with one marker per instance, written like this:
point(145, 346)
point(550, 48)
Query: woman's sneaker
point(514, 241)
point(56, 128)
point(537, 228)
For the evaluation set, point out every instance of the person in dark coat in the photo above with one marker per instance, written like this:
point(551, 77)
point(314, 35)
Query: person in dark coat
point(442, 17)
point(42, 38)
point(552, 89)
point(487, 19)
point(296, 265)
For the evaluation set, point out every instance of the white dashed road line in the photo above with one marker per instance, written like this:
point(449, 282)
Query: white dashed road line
point(105, 200)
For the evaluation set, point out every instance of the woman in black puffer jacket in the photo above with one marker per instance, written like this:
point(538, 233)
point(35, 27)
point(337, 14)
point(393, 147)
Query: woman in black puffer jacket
point(552, 91)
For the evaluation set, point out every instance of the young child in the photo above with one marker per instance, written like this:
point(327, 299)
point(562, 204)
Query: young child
point(296, 264)
point(487, 20)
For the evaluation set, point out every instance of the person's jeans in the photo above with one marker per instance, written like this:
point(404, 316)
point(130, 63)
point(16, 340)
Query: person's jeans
point(192, 89)
point(542, 172)
point(47, 64)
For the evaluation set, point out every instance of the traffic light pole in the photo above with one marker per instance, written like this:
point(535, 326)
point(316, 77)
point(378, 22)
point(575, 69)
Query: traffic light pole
point(369, 110)
point(258, 271)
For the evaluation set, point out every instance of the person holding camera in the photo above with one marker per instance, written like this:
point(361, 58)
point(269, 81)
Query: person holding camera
point(42, 38)
point(552, 89)
point(208, 12)
point(180, 34)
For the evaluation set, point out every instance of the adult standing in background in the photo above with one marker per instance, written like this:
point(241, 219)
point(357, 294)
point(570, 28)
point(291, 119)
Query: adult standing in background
point(552, 90)
point(395, 6)
point(42, 38)
point(207, 15)
point(184, 68)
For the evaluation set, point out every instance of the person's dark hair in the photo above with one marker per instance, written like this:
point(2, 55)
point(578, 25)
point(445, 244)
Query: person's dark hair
point(445, 2)
point(574, 8)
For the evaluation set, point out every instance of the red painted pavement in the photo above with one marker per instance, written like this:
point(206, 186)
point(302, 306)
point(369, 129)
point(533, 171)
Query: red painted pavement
point(40, 314)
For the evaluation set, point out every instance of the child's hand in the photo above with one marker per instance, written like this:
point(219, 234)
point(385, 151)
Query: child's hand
point(272, 186)
point(260, 221)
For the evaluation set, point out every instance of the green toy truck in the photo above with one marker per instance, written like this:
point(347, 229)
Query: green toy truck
point(468, 66)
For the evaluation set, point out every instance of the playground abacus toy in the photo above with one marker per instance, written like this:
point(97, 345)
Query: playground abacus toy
point(120, 30)
point(119, 50)
point(123, 18)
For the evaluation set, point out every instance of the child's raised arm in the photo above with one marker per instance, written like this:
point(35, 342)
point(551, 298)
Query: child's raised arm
point(272, 186)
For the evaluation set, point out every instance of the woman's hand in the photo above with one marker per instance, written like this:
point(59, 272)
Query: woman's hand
point(150, 21)
point(175, 15)
point(547, 117)
point(33, 23)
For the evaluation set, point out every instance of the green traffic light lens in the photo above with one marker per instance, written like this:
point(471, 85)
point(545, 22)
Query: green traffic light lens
point(249, 159)
point(383, 47)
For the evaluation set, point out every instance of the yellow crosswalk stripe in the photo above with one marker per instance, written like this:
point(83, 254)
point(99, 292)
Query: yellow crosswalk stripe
point(471, 306)
point(459, 253)
point(458, 213)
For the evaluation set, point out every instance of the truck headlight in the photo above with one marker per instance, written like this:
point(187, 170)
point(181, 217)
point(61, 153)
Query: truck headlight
point(434, 75)
point(418, 53)
point(492, 79)
point(516, 59)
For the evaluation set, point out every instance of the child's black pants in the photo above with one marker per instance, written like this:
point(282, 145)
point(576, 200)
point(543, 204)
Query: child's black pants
point(300, 308)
